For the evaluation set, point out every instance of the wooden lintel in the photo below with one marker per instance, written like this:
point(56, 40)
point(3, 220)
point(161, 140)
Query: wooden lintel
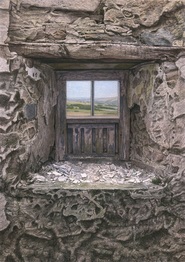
point(96, 51)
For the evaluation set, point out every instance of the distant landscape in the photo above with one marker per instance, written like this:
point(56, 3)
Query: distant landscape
point(102, 107)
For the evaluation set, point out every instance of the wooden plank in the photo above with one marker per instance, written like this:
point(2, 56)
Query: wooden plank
point(124, 127)
point(105, 140)
point(76, 141)
point(92, 120)
point(99, 141)
point(61, 132)
point(79, 125)
point(69, 140)
point(111, 141)
point(112, 52)
point(82, 141)
point(94, 140)
point(116, 138)
point(88, 140)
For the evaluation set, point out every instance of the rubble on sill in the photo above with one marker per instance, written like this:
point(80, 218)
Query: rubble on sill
point(99, 174)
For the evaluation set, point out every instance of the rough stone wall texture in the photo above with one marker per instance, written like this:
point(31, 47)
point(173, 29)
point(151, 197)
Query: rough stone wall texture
point(158, 124)
point(61, 225)
point(96, 225)
point(150, 22)
point(27, 100)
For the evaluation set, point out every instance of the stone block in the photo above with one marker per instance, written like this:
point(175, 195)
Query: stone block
point(4, 4)
point(77, 5)
point(3, 220)
point(4, 66)
point(169, 66)
point(16, 63)
point(30, 111)
point(4, 24)
point(160, 38)
point(178, 109)
point(55, 31)
point(181, 65)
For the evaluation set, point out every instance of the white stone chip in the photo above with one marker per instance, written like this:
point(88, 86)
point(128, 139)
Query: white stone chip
point(4, 66)
point(84, 172)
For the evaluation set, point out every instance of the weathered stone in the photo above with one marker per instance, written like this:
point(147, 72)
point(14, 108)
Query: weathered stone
point(178, 109)
point(160, 38)
point(118, 51)
point(180, 63)
point(30, 111)
point(64, 212)
point(3, 220)
point(85, 5)
point(154, 120)
point(126, 218)
point(4, 25)
point(4, 66)
point(16, 63)
point(149, 12)
point(5, 4)
point(123, 20)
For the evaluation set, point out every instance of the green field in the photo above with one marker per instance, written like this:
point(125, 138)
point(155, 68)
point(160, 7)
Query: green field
point(76, 108)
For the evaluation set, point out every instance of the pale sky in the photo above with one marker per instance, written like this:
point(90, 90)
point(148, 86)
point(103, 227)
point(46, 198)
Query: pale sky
point(82, 89)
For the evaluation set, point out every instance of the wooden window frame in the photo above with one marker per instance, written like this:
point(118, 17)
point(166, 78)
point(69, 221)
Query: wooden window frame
point(124, 112)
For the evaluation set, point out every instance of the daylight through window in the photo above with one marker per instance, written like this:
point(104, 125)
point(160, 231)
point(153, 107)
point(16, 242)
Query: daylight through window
point(97, 98)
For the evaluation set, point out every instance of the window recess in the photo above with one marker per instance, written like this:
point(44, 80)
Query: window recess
point(92, 114)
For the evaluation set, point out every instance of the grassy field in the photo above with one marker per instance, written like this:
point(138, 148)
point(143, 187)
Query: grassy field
point(84, 109)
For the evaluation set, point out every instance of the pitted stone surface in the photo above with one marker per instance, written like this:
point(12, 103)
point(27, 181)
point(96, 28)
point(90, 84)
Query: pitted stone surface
point(57, 224)
point(26, 103)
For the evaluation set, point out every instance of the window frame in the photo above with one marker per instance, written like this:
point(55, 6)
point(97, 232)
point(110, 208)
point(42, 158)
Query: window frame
point(123, 120)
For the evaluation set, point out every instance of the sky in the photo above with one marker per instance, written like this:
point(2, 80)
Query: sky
point(82, 89)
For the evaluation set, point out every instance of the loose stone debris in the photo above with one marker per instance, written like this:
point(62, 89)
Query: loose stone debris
point(78, 172)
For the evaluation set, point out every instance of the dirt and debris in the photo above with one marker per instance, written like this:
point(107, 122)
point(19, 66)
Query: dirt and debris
point(78, 172)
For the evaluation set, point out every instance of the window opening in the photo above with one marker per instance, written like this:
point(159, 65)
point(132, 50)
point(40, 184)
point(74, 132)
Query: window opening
point(97, 98)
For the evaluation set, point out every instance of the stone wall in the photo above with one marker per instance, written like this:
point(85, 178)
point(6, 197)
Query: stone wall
point(27, 100)
point(158, 124)
point(44, 224)
point(158, 22)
